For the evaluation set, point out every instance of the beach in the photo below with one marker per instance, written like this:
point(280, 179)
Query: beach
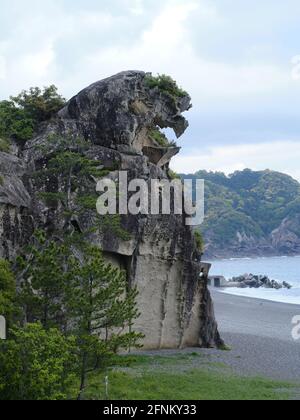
point(280, 269)
point(259, 333)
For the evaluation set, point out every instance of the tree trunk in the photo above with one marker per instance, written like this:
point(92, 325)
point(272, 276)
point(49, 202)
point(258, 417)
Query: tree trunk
point(83, 376)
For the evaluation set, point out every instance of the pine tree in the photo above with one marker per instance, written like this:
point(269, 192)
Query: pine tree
point(103, 310)
point(69, 178)
point(8, 307)
point(42, 276)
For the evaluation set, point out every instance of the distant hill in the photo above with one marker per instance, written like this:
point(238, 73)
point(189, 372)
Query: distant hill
point(250, 214)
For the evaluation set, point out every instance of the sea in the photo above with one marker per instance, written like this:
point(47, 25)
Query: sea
point(276, 268)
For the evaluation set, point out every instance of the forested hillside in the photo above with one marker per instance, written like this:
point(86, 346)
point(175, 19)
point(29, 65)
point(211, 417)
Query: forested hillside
point(251, 213)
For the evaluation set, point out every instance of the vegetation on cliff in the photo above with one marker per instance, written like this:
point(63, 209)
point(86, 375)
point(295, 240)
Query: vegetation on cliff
point(166, 85)
point(7, 291)
point(161, 139)
point(75, 192)
point(21, 114)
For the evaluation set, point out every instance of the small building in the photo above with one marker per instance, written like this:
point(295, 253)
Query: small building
point(217, 281)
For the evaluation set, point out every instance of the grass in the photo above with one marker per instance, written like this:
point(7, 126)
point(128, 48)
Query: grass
point(181, 377)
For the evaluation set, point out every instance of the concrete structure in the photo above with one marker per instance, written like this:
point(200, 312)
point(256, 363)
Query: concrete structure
point(204, 270)
point(217, 281)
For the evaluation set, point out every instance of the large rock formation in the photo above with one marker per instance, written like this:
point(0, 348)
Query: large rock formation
point(116, 116)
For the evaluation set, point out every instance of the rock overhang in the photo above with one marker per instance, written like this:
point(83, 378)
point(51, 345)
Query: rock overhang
point(115, 110)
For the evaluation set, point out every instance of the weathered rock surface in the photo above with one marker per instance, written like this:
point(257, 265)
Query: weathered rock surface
point(161, 257)
point(283, 241)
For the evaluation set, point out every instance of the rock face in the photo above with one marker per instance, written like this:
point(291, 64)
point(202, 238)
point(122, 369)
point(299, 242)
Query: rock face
point(161, 259)
point(283, 241)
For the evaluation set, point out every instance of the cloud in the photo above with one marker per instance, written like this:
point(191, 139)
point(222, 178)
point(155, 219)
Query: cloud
point(282, 156)
point(38, 64)
point(89, 42)
point(137, 8)
point(229, 56)
point(2, 68)
point(167, 46)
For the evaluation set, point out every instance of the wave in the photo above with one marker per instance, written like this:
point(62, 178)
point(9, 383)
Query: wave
point(291, 297)
point(278, 268)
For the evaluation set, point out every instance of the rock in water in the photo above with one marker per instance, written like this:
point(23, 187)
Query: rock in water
point(117, 117)
point(249, 280)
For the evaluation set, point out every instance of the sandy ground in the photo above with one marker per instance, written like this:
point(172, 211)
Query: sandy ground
point(260, 335)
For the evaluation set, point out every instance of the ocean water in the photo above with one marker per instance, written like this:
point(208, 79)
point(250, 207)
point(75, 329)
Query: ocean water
point(277, 268)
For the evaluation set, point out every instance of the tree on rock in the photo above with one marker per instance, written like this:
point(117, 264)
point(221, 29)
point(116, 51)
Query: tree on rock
point(20, 116)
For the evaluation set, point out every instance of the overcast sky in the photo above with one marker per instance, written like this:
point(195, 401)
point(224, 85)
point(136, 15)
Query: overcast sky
point(237, 58)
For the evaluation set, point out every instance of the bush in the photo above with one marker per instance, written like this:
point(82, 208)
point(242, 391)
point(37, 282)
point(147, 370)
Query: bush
point(20, 115)
point(165, 84)
point(15, 122)
point(7, 291)
point(40, 104)
point(161, 139)
point(173, 175)
point(199, 241)
point(4, 145)
point(36, 365)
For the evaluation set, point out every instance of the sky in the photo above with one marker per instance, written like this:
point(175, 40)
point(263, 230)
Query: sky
point(239, 60)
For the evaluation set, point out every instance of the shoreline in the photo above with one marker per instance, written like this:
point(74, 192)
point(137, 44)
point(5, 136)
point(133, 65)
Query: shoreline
point(263, 317)
point(223, 291)
point(238, 292)
point(280, 269)
point(257, 257)
point(259, 334)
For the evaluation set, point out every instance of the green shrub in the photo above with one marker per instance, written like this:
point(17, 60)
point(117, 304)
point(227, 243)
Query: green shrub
point(36, 364)
point(199, 241)
point(20, 115)
point(161, 139)
point(173, 175)
point(165, 84)
point(4, 145)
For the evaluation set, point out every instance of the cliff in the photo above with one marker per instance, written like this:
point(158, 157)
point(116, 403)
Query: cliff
point(250, 214)
point(118, 118)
